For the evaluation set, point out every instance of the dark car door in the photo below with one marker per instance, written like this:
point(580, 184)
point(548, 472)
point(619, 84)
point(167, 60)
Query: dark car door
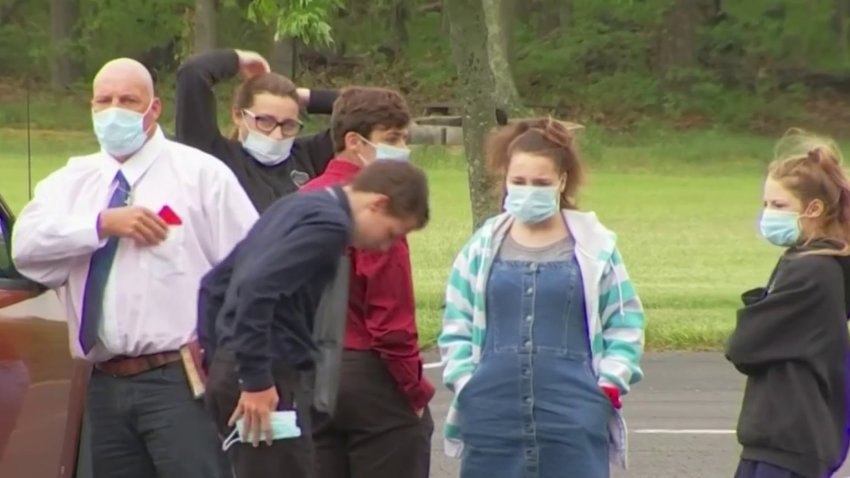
point(41, 387)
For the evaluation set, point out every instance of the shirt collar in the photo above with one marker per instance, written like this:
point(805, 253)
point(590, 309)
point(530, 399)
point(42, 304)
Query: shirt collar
point(342, 168)
point(137, 164)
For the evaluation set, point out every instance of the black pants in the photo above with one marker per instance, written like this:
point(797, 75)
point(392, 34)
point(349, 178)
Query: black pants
point(374, 431)
point(149, 426)
point(292, 458)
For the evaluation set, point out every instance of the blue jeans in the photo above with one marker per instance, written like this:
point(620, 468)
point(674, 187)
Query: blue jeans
point(149, 426)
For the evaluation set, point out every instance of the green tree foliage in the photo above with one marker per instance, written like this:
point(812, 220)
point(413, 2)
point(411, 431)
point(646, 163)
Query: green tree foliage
point(742, 63)
point(307, 20)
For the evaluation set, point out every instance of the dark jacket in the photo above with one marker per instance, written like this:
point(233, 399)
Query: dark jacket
point(196, 125)
point(261, 300)
point(792, 343)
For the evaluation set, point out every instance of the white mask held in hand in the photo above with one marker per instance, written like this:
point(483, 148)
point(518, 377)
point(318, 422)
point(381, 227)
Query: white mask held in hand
point(283, 425)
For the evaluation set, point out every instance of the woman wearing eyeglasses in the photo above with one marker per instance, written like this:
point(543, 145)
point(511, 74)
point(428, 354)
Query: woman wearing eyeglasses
point(264, 150)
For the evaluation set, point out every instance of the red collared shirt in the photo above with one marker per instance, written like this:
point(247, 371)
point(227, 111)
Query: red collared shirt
point(381, 306)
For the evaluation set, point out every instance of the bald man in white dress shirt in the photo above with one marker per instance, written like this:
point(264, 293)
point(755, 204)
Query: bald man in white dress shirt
point(126, 234)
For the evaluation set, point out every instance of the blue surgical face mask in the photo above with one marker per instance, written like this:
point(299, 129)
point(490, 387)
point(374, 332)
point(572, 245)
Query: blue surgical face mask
point(531, 204)
point(780, 228)
point(283, 425)
point(119, 131)
point(386, 152)
point(265, 150)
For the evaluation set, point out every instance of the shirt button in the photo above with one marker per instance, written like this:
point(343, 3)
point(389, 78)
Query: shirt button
point(533, 266)
point(527, 344)
point(529, 318)
point(525, 372)
point(529, 291)
point(527, 399)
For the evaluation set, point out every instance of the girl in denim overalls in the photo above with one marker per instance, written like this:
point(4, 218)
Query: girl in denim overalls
point(543, 330)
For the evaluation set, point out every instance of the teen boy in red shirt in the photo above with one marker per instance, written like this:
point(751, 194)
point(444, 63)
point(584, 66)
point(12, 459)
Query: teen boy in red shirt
point(382, 425)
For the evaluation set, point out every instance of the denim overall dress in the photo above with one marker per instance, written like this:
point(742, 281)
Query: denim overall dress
point(533, 408)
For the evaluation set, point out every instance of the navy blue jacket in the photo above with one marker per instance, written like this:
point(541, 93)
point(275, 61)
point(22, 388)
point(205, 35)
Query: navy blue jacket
point(260, 301)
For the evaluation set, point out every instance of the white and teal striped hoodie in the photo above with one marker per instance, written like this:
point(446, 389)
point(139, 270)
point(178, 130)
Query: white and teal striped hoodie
point(614, 314)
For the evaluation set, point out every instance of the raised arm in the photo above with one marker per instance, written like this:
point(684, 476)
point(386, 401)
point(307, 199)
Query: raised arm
point(317, 102)
point(196, 123)
point(319, 146)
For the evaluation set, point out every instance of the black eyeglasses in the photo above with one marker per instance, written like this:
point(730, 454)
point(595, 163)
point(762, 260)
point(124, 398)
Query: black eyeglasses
point(267, 124)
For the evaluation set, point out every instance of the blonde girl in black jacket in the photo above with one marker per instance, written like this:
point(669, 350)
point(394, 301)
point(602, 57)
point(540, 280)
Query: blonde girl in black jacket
point(791, 339)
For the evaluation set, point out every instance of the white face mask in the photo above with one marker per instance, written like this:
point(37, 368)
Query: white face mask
point(265, 150)
point(120, 131)
point(386, 152)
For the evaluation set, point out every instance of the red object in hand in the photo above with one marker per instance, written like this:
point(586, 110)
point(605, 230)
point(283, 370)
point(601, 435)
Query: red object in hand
point(613, 395)
point(169, 216)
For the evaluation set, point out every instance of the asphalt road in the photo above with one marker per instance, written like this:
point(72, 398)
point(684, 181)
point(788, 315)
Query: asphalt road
point(681, 419)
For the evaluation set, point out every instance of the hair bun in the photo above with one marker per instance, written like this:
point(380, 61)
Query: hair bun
point(824, 157)
point(558, 133)
point(800, 144)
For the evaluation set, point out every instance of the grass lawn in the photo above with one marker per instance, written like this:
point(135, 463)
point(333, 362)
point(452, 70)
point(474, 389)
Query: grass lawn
point(683, 204)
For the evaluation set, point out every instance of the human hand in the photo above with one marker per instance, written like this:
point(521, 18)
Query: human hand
point(303, 96)
point(255, 409)
point(613, 394)
point(133, 222)
point(252, 64)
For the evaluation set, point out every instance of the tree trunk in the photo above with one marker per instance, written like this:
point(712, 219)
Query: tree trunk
point(509, 23)
point(398, 23)
point(284, 58)
point(475, 81)
point(205, 30)
point(505, 91)
point(444, 19)
point(63, 69)
point(677, 45)
point(565, 15)
point(840, 13)
point(523, 9)
point(548, 19)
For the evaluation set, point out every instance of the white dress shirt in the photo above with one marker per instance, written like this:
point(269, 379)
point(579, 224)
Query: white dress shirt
point(150, 301)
